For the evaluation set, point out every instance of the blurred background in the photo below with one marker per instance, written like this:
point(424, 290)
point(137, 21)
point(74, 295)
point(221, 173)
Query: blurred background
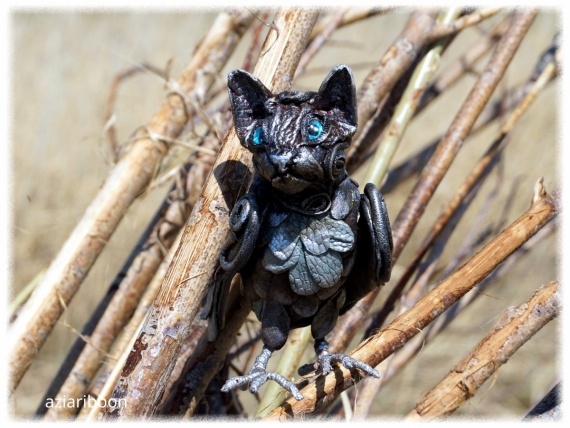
point(62, 69)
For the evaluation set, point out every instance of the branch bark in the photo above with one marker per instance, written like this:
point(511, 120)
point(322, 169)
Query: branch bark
point(154, 354)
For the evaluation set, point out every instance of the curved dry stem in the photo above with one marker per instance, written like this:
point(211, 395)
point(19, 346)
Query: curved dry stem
point(445, 29)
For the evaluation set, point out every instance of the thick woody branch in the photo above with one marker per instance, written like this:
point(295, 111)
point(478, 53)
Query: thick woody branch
point(156, 349)
point(515, 328)
point(377, 348)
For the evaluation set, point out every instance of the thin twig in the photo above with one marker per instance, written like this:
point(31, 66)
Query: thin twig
point(393, 64)
point(408, 104)
point(447, 29)
point(350, 16)
point(110, 117)
point(319, 40)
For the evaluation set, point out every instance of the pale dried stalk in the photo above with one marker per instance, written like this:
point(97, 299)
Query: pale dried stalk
point(378, 347)
point(317, 43)
point(125, 183)
point(156, 349)
point(439, 163)
point(464, 64)
point(406, 108)
point(381, 79)
point(514, 329)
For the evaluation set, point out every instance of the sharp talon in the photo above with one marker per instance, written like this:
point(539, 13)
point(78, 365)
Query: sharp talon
point(325, 361)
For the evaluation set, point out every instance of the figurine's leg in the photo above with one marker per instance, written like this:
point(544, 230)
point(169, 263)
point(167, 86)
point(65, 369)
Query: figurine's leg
point(274, 332)
point(321, 326)
point(325, 360)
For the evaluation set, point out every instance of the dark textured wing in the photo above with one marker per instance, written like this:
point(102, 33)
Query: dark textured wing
point(373, 264)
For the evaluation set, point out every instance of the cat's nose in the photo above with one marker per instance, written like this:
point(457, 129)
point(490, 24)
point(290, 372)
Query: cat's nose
point(281, 162)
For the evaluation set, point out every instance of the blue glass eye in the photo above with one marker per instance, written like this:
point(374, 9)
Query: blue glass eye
point(315, 129)
point(257, 137)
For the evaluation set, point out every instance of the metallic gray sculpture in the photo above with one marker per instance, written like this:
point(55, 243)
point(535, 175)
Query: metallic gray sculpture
point(307, 244)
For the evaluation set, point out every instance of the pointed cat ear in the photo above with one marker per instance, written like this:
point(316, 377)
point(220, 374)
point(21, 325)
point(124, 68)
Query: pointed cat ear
point(338, 91)
point(247, 100)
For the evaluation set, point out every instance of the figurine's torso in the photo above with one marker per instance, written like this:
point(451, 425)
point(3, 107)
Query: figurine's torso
point(304, 252)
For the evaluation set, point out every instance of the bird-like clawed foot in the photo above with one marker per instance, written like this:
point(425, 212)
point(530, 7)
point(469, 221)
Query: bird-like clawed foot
point(258, 375)
point(325, 360)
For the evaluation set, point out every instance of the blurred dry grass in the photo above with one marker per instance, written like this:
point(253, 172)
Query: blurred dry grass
point(62, 68)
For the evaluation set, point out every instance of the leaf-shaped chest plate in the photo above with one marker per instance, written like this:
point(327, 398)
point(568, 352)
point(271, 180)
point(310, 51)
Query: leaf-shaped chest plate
point(310, 248)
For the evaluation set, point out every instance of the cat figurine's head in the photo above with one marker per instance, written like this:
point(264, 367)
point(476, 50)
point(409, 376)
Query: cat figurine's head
point(297, 138)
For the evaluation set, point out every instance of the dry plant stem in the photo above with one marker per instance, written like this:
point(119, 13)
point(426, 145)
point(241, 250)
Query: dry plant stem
point(318, 41)
point(125, 183)
point(274, 395)
point(179, 203)
point(414, 346)
point(109, 372)
point(350, 16)
point(407, 105)
point(377, 348)
point(23, 295)
point(445, 29)
point(157, 347)
point(478, 173)
point(515, 328)
point(464, 64)
point(393, 64)
point(438, 165)
point(110, 129)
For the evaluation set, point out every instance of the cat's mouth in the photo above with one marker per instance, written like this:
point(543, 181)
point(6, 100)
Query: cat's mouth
point(288, 183)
